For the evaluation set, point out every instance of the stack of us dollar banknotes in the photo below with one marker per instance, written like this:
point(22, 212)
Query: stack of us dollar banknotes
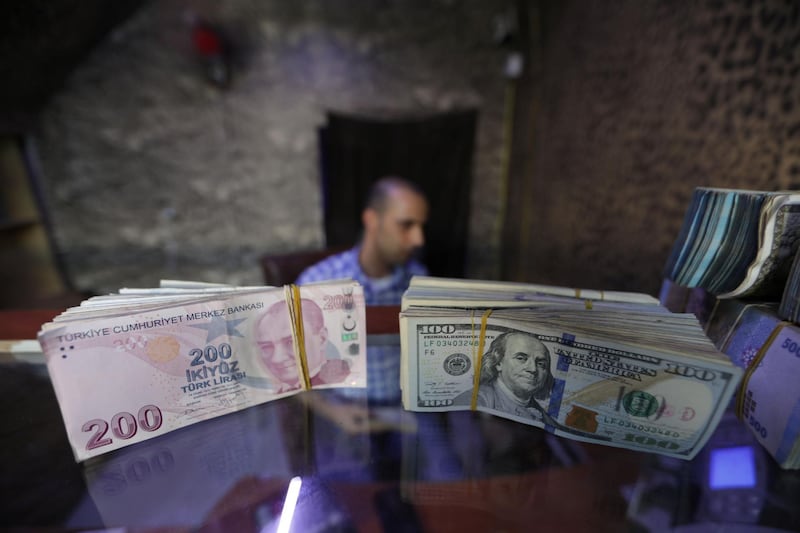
point(753, 335)
point(131, 366)
point(612, 368)
point(737, 243)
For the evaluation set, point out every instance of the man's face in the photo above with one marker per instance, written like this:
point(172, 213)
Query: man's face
point(400, 227)
point(525, 366)
point(274, 340)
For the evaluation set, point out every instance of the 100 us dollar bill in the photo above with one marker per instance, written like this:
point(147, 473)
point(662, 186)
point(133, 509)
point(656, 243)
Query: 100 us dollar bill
point(591, 388)
point(134, 375)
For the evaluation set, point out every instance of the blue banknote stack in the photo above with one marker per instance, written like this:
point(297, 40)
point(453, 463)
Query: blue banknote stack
point(737, 243)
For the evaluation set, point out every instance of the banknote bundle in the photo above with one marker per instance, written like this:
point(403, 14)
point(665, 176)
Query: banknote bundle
point(790, 300)
point(605, 367)
point(767, 348)
point(695, 300)
point(737, 243)
point(131, 366)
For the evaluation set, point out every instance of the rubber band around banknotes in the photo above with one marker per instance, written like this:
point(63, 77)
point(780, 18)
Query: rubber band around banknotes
point(300, 337)
point(476, 379)
point(751, 368)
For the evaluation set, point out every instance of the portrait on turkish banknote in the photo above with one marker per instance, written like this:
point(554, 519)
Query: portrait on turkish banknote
point(275, 342)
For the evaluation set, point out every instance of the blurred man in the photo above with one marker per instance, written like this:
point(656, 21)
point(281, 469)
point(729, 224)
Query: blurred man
point(383, 263)
point(273, 335)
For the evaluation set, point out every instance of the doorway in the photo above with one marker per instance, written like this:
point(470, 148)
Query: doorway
point(434, 151)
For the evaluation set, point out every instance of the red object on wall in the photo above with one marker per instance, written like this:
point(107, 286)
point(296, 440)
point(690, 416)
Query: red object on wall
point(206, 41)
point(211, 48)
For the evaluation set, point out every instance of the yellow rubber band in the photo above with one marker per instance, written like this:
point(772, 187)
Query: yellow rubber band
point(751, 368)
point(577, 293)
point(588, 304)
point(300, 337)
point(476, 379)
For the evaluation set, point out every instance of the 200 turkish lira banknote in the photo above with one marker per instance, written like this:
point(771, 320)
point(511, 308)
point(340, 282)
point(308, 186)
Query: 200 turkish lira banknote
point(135, 370)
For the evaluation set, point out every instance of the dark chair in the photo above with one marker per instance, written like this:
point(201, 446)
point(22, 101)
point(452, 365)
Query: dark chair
point(281, 269)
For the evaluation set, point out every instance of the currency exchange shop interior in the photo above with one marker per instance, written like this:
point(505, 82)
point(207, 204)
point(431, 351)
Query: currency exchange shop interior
point(612, 148)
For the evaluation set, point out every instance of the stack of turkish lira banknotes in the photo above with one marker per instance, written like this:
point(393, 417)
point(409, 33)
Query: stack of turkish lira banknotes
point(755, 337)
point(131, 366)
point(605, 367)
point(737, 243)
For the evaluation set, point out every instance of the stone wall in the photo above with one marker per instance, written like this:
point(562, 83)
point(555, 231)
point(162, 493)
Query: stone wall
point(151, 172)
point(641, 101)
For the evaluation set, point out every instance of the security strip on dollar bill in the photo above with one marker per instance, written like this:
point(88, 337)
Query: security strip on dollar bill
point(476, 380)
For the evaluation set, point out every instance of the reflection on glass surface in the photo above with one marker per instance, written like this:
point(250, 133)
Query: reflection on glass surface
point(732, 468)
point(289, 505)
point(367, 468)
point(733, 485)
point(213, 455)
